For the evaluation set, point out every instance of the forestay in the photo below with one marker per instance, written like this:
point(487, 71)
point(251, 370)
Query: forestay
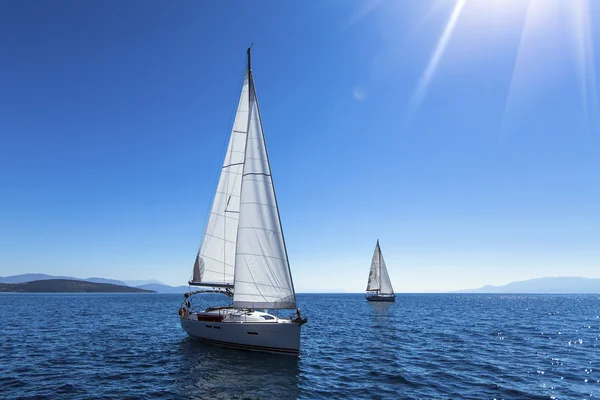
point(262, 272)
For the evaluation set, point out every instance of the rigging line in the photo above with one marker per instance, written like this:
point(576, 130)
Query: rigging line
point(220, 238)
point(226, 193)
point(226, 216)
point(259, 229)
point(216, 272)
point(262, 255)
point(213, 259)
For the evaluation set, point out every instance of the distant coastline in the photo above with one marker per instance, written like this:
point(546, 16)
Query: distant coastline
point(548, 285)
point(67, 286)
point(147, 285)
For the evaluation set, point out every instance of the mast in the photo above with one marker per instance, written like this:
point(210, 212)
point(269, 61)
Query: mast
point(249, 59)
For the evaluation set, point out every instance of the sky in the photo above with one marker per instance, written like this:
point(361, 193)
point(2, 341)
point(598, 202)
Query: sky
point(463, 134)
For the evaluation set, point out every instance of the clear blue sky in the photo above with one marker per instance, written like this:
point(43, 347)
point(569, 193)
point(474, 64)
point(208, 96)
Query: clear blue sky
point(465, 135)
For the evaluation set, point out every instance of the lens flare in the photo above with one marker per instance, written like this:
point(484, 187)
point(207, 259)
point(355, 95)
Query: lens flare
point(544, 23)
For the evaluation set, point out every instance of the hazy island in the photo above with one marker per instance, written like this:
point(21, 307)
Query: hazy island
point(68, 286)
point(151, 285)
point(563, 284)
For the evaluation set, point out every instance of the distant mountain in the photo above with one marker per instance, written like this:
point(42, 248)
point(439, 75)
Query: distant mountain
point(139, 282)
point(543, 285)
point(30, 277)
point(67, 286)
point(40, 277)
point(102, 280)
point(160, 288)
point(149, 284)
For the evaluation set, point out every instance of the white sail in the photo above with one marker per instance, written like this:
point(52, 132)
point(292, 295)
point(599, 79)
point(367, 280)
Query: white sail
point(385, 285)
point(216, 258)
point(262, 272)
point(373, 283)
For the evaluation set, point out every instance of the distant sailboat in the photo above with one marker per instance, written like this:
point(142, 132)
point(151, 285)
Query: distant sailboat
point(379, 286)
point(243, 253)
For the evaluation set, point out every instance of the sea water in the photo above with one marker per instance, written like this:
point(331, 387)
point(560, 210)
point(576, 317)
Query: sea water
point(430, 346)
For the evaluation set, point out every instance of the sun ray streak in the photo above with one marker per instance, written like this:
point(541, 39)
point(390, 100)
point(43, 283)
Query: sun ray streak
point(434, 61)
point(585, 58)
point(533, 64)
point(518, 64)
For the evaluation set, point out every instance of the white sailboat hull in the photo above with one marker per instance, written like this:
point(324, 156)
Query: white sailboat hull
point(282, 337)
point(391, 298)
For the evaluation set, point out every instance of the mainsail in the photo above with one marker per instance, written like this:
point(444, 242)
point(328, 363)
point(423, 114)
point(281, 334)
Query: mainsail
point(379, 280)
point(243, 246)
point(215, 261)
point(373, 283)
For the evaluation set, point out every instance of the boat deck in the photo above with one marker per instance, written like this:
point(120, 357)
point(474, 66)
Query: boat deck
point(224, 314)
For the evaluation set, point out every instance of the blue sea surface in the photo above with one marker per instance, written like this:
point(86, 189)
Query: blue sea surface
point(446, 346)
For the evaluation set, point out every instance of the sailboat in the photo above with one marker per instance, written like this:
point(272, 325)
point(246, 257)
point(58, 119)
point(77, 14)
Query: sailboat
point(379, 286)
point(243, 253)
